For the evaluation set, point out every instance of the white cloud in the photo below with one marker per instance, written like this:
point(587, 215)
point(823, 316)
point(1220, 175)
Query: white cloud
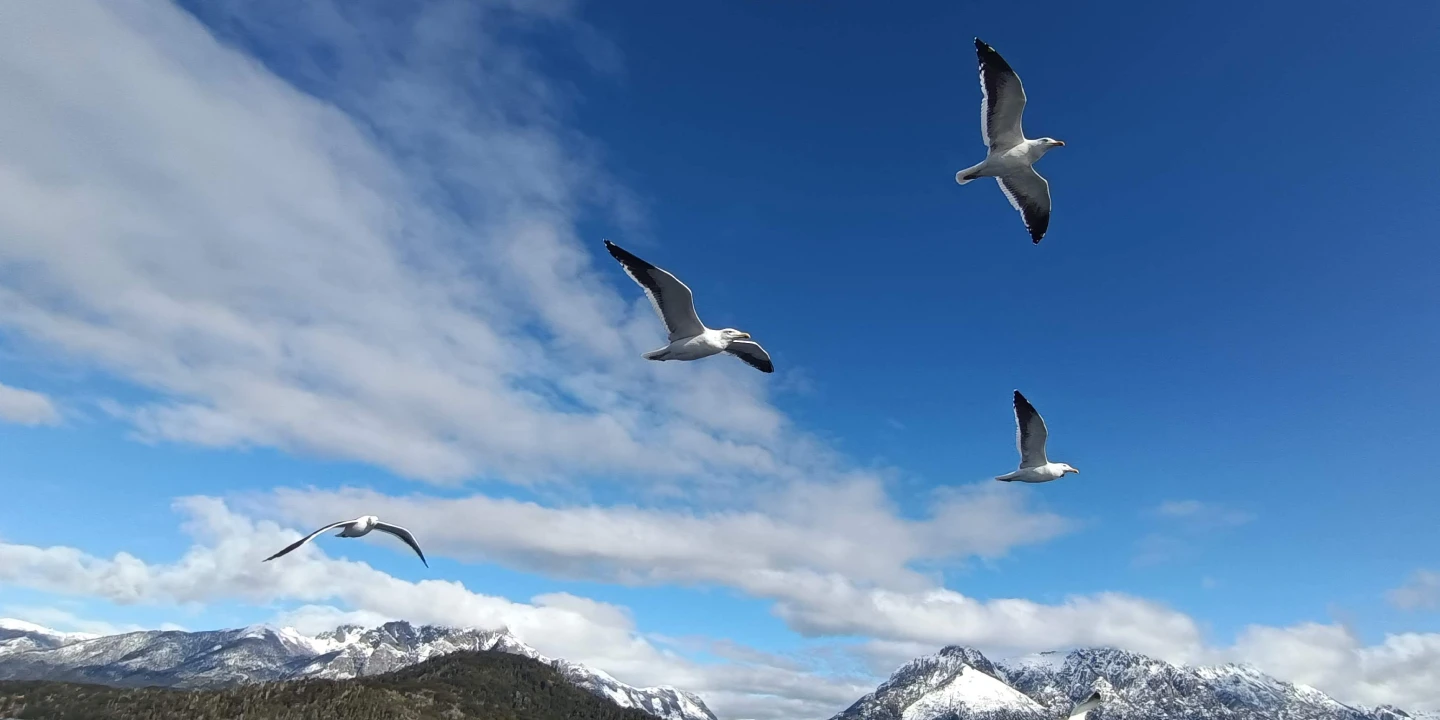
point(1420, 592)
point(27, 407)
point(187, 221)
point(225, 564)
point(65, 621)
point(1404, 670)
point(1203, 515)
point(850, 528)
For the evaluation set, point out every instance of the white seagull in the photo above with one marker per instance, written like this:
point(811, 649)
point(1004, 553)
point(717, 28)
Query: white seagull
point(1012, 158)
point(1080, 710)
point(1030, 435)
point(357, 528)
point(689, 338)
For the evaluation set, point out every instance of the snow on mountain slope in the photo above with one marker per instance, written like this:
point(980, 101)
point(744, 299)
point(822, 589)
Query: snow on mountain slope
point(262, 653)
point(961, 684)
point(18, 635)
point(952, 684)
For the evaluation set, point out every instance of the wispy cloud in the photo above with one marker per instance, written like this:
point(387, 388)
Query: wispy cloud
point(27, 407)
point(1420, 592)
point(1203, 515)
point(1184, 526)
point(398, 283)
point(223, 565)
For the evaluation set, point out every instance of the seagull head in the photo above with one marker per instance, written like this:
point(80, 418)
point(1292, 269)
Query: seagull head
point(731, 335)
point(1066, 469)
point(1048, 144)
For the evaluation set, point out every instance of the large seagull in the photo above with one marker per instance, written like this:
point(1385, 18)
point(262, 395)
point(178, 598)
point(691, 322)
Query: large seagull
point(1012, 158)
point(1030, 436)
point(356, 528)
point(689, 338)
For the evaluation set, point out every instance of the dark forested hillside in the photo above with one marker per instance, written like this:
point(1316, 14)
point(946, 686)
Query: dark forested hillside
point(488, 685)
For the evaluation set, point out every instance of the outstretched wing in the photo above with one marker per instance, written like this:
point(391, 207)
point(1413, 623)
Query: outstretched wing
point(1030, 433)
point(1003, 102)
point(753, 355)
point(405, 535)
point(306, 539)
point(672, 299)
point(1030, 194)
point(1078, 712)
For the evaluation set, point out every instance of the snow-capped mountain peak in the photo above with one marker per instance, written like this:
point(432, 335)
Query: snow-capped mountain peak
point(260, 653)
point(961, 684)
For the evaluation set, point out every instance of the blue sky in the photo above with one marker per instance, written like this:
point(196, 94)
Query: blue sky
point(356, 248)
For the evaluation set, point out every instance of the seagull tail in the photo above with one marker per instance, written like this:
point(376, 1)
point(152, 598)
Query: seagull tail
point(968, 174)
point(656, 354)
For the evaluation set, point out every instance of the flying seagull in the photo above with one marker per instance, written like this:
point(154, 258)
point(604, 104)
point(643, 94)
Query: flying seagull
point(356, 528)
point(1080, 710)
point(1012, 158)
point(1030, 435)
point(689, 338)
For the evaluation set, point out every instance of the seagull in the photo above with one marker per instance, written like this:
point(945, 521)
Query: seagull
point(1030, 435)
point(689, 338)
point(1079, 711)
point(357, 528)
point(1012, 158)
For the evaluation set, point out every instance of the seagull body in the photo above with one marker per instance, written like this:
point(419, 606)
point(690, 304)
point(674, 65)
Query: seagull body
point(689, 338)
point(359, 527)
point(1012, 157)
point(1030, 437)
point(1082, 709)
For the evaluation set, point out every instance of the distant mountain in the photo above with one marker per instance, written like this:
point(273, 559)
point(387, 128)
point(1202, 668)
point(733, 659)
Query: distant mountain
point(222, 658)
point(962, 684)
point(463, 684)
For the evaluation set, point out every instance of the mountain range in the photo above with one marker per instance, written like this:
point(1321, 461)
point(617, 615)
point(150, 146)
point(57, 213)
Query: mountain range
point(956, 683)
point(463, 684)
point(262, 653)
point(960, 683)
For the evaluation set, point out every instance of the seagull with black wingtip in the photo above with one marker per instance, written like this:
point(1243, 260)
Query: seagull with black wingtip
point(1012, 157)
point(689, 338)
point(1030, 437)
point(358, 527)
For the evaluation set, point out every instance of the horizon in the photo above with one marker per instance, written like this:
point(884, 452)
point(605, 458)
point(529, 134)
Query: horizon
point(264, 266)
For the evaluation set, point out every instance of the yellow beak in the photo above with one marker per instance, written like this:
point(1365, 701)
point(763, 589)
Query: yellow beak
point(743, 335)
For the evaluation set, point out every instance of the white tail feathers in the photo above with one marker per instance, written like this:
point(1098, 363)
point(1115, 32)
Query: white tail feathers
point(968, 174)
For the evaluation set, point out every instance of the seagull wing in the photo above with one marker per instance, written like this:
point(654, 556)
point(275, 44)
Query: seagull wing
point(1030, 194)
point(1078, 712)
point(1030, 433)
point(671, 298)
point(753, 355)
point(1004, 100)
point(307, 538)
point(405, 535)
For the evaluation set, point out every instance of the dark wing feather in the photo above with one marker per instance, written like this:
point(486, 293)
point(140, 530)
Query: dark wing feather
point(753, 355)
point(405, 535)
point(1003, 102)
point(306, 539)
point(1030, 194)
point(672, 299)
point(1030, 433)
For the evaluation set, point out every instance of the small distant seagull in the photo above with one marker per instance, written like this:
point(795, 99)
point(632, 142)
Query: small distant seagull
point(1030, 436)
point(1012, 157)
point(357, 528)
point(689, 338)
point(1079, 711)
